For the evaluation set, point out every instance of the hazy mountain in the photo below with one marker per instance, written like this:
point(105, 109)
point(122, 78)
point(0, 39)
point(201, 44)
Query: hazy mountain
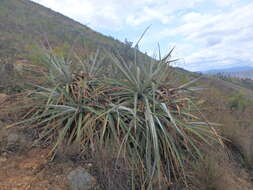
point(228, 70)
point(245, 72)
point(248, 74)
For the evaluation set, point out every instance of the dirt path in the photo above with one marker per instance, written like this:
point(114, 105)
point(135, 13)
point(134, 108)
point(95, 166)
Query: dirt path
point(28, 171)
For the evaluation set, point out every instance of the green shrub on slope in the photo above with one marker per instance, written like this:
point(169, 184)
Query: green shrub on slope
point(133, 106)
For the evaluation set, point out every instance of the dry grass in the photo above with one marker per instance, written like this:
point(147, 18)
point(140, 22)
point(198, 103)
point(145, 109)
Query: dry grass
point(218, 171)
point(229, 171)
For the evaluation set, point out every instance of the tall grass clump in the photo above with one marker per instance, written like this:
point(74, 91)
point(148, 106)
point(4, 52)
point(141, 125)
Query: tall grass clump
point(133, 106)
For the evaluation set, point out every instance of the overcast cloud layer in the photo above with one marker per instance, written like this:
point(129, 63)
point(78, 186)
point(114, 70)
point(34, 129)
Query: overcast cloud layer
point(207, 34)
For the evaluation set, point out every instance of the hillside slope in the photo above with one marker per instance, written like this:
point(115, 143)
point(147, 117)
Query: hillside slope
point(24, 24)
point(228, 88)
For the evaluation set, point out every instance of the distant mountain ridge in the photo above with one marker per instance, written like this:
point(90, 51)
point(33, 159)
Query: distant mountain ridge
point(228, 70)
point(248, 74)
point(243, 72)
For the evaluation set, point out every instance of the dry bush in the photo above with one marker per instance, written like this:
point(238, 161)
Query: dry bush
point(236, 124)
point(112, 172)
point(218, 171)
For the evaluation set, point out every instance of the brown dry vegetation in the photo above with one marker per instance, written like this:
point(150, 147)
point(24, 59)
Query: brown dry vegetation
point(229, 168)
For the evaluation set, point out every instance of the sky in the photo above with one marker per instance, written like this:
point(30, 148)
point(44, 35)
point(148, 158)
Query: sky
point(206, 34)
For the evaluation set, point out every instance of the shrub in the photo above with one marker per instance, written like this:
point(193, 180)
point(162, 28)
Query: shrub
point(236, 123)
point(217, 171)
point(134, 107)
point(238, 103)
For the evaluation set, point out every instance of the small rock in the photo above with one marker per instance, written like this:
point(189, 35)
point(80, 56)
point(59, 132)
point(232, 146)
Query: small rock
point(3, 159)
point(80, 179)
point(16, 141)
point(4, 154)
point(13, 139)
point(18, 67)
point(1, 124)
point(3, 97)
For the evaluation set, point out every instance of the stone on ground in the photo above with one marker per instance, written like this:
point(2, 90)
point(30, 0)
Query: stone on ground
point(80, 179)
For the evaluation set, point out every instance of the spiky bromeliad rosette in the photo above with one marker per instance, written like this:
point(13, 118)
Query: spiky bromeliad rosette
point(133, 107)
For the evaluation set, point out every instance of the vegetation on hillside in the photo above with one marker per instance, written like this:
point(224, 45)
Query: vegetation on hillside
point(117, 104)
point(245, 82)
point(132, 109)
point(45, 27)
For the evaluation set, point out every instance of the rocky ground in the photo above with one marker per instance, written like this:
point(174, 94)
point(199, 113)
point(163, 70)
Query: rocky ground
point(24, 168)
point(30, 169)
point(27, 167)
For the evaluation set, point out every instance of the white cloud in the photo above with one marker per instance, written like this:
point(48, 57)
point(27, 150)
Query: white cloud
point(161, 11)
point(223, 3)
point(148, 14)
point(207, 33)
point(100, 13)
point(224, 39)
point(96, 13)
